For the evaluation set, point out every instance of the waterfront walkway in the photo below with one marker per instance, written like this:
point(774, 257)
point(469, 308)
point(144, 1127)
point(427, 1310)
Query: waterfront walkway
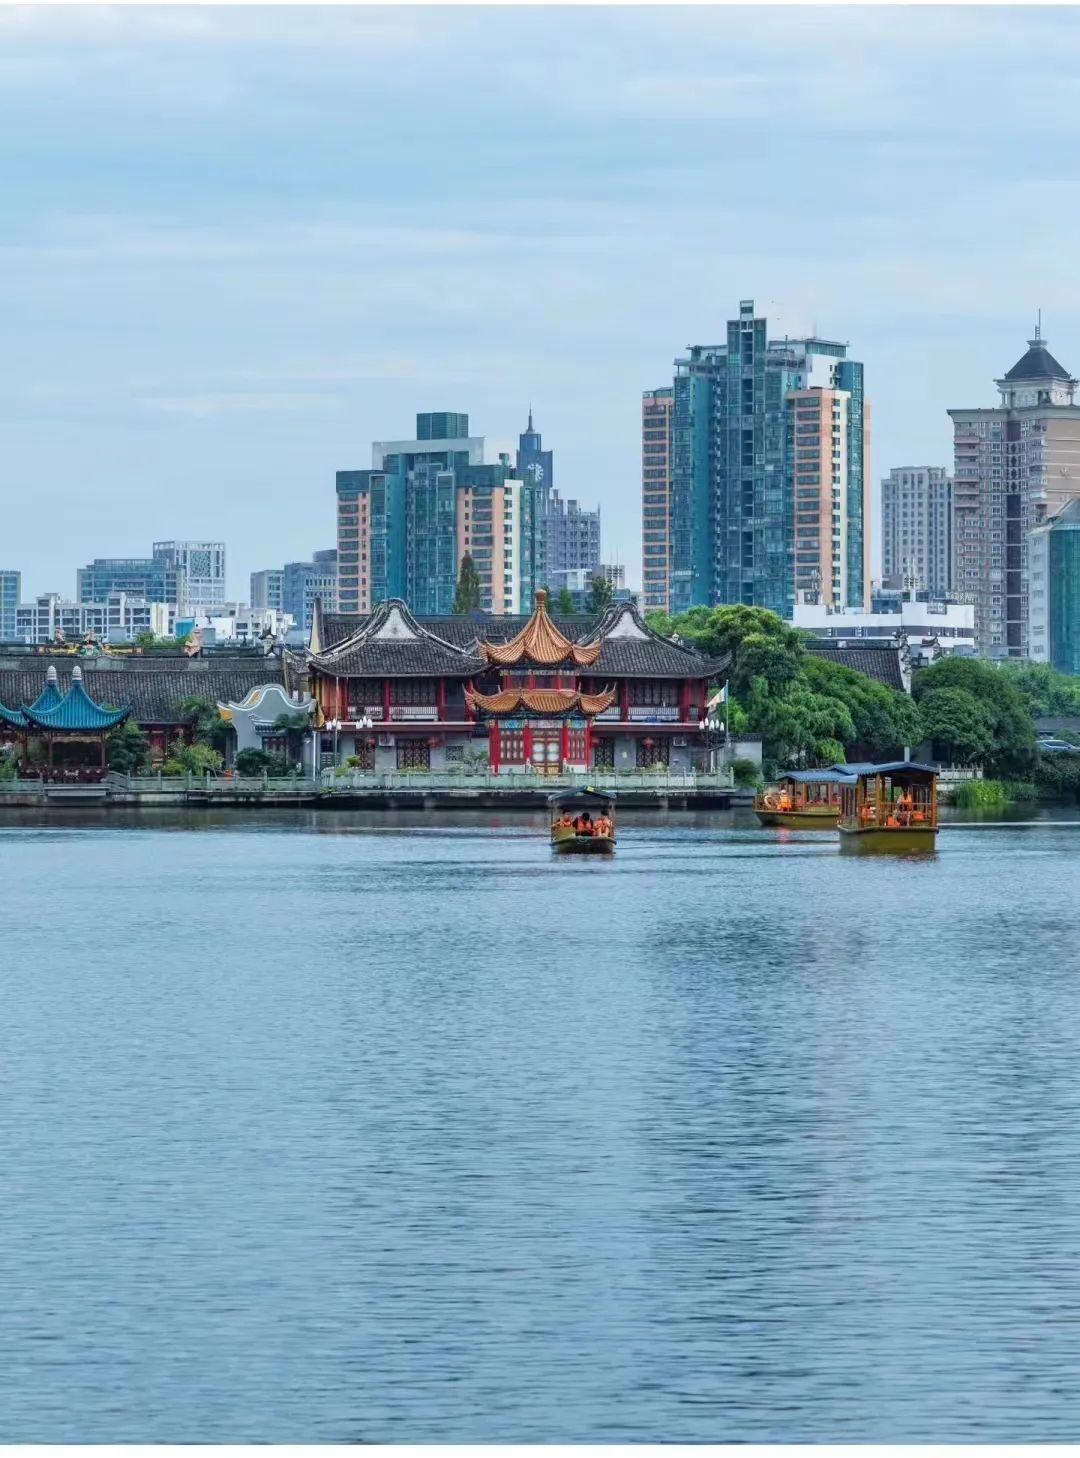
point(384, 790)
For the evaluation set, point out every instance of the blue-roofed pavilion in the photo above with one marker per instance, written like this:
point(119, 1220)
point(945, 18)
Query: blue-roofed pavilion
point(72, 719)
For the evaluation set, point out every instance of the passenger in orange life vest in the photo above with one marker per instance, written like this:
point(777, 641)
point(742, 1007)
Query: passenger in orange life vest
point(583, 824)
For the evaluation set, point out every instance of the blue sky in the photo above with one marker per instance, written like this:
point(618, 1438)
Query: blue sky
point(239, 244)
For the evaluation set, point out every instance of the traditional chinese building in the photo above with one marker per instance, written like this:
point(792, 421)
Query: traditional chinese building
point(71, 726)
point(397, 692)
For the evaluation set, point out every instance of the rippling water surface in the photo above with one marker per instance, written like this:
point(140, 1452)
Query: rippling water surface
point(373, 1130)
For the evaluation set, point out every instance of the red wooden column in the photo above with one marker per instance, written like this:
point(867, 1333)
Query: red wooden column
point(624, 700)
point(386, 700)
point(494, 746)
point(528, 744)
point(684, 701)
point(441, 711)
point(588, 743)
point(564, 748)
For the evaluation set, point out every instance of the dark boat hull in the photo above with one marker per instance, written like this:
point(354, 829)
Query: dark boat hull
point(584, 845)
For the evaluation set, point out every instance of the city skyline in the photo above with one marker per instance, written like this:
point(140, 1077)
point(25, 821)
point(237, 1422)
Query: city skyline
point(215, 303)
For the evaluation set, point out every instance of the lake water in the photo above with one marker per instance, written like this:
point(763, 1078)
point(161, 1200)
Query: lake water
point(382, 1129)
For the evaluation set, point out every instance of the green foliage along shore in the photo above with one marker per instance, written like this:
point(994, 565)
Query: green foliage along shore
point(810, 711)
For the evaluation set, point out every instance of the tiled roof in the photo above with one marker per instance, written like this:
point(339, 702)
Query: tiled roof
point(630, 648)
point(75, 710)
point(155, 694)
point(1037, 364)
point(881, 663)
point(390, 641)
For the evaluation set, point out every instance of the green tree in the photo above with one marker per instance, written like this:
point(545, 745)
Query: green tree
point(957, 725)
point(207, 725)
point(1045, 690)
point(127, 749)
point(660, 622)
point(254, 762)
point(191, 759)
point(1011, 751)
point(564, 602)
point(293, 726)
point(600, 593)
point(467, 597)
point(886, 721)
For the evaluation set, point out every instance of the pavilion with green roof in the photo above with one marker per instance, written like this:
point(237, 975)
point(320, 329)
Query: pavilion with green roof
point(68, 724)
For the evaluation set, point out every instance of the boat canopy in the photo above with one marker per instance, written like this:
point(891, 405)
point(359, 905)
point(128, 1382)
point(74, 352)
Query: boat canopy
point(893, 767)
point(586, 798)
point(834, 775)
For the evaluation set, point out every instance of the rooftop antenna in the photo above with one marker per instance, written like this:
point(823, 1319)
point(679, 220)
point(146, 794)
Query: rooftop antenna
point(1038, 326)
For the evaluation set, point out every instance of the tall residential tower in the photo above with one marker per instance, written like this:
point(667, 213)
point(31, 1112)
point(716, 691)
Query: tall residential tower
point(1017, 466)
point(917, 528)
point(763, 493)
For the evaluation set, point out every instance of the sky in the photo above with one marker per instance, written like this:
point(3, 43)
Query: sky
point(238, 245)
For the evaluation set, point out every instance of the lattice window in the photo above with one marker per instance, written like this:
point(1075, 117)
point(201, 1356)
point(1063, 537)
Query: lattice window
point(603, 754)
point(512, 748)
point(577, 746)
point(413, 754)
point(653, 751)
point(413, 691)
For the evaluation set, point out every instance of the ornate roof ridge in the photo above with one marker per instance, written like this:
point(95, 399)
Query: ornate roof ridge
point(541, 701)
point(374, 626)
point(540, 641)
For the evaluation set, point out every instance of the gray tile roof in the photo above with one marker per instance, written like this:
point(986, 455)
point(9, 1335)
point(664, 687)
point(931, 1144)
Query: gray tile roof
point(631, 655)
point(155, 694)
point(881, 663)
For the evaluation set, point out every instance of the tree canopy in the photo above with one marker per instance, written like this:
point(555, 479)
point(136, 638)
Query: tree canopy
point(467, 597)
point(600, 593)
point(985, 718)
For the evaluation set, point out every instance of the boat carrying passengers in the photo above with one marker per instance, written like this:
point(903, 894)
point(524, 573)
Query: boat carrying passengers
point(584, 824)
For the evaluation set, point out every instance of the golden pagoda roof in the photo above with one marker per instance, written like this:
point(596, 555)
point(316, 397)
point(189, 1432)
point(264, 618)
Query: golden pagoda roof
point(541, 642)
point(556, 703)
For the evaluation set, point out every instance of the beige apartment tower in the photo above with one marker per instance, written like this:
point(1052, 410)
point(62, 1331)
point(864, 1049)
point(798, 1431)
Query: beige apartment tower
point(1016, 466)
point(917, 528)
point(656, 411)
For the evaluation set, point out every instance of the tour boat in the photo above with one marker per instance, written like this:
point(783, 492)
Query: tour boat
point(803, 799)
point(571, 812)
point(889, 807)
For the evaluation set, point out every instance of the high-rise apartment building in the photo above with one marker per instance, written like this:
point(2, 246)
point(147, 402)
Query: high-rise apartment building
point(571, 537)
point(303, 582)
point(405, 524)
point(567, 537)
point(1016, 466)
point(268, 589)
point(10, 593)
point(740, 465)
point(656, 412)
point(1054, 590)
point(917, 528)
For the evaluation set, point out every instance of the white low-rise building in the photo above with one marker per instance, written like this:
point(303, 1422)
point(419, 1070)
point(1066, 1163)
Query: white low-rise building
point(931, 628)
point(119, 619)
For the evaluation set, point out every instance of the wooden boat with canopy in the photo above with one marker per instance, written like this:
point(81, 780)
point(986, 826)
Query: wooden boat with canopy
point(803, 799)
point(582, 823)
point(890, 807)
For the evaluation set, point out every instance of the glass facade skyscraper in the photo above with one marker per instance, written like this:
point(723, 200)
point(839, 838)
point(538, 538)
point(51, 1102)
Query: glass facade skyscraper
point(10, 592)
point(404, 525)
point(734, 469)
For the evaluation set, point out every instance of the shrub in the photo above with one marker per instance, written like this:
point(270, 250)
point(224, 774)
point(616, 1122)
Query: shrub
point(745, 773)
point(980, 795)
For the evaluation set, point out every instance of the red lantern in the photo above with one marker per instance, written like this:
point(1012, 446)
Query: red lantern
point(648, 743)
point(370, 741)
point(433, 742)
